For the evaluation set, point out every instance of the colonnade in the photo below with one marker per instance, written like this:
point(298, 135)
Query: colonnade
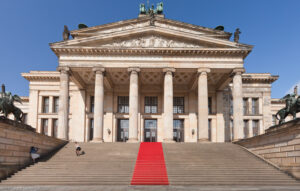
point(202, 132)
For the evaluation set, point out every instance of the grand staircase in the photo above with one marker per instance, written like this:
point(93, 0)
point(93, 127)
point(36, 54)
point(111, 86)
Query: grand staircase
point(187, 164)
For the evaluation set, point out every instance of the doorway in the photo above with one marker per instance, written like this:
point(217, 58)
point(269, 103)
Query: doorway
point(123, 130)
point(150, 130)
point(178, 130)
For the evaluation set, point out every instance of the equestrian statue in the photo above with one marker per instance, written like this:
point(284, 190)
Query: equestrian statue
point(7, 105)
point(292, 106)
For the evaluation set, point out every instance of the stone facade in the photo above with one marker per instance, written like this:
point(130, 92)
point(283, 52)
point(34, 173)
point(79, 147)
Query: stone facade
point(168, 82)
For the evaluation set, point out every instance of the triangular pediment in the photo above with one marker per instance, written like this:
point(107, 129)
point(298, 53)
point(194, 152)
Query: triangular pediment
point(139, 34)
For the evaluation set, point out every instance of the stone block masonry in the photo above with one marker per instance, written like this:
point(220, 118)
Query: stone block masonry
point(280, 145)
point(15, 142)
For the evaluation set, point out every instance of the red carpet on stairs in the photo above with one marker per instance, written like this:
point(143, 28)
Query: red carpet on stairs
point(150, 168)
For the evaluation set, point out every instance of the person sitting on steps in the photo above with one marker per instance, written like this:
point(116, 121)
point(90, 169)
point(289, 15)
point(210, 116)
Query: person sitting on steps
point(78, 149)
point(33, 153)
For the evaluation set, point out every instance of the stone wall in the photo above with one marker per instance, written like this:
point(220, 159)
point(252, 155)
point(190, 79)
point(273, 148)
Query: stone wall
point(15, 142)
point(280, 145)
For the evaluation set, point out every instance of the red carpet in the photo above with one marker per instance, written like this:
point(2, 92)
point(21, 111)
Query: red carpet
point(150, 168)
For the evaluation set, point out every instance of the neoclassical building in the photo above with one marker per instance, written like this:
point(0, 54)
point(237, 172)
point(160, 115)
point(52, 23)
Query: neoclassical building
point(150, 79)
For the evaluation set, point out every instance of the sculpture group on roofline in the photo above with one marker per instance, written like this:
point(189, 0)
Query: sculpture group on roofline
point(292, 106)
point(151, 10)
point(7, 105)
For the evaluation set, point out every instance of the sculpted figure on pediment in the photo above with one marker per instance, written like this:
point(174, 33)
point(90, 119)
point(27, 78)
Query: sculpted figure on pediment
point(152, 42)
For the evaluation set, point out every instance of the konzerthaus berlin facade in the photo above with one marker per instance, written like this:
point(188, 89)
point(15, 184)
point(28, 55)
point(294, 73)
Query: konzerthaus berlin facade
point(150, 79)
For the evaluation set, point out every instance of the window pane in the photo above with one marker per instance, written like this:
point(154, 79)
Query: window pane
point(209, 105)
point(245, 106)
point(46, 105)
point(123, 104)
point(45, 126)
point(151, 104)
point(178, 105)
point(55, 104)
point(91, 129)
point(55, 126)
point(92, 104)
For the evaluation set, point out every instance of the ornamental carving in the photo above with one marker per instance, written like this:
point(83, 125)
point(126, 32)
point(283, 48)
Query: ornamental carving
point(152, 42)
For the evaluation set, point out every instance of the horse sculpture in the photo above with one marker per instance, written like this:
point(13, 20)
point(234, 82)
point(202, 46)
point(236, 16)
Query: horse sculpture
point(292, 106)
point(7, 105)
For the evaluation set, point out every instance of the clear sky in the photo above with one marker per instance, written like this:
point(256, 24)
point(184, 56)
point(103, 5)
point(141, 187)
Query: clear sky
point(272, 26)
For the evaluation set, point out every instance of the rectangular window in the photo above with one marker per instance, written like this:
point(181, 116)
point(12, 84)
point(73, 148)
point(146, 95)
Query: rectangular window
point(209, 105)
point(209, 129)
point(91, 129)
point(45, 104)
point(25, 118)
point(150, 104)
point(231, 106)
point(245, 106)
point(274, 120)
point(246, 128)
point(123, 104)
point(55, 104)
point(231, 129)
point(255, 106)
point(92, 104)
point(178, 105)
point(45, 126)
point(255, 126)
point(55, 127)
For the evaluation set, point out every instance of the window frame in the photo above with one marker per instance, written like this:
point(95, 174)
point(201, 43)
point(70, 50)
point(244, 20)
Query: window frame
point(176, 106)
point(153, 106)
point(123, 107)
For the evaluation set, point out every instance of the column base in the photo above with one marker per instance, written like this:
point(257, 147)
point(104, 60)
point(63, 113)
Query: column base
point(203, 141)
point(97, 140)
point(132, 140)
point(168, 141)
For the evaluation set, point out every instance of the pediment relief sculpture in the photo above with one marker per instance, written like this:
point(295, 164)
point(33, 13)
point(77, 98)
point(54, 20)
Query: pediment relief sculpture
point(152, 42)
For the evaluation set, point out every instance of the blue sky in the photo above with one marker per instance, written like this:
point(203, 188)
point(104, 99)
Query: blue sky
point(272, 26)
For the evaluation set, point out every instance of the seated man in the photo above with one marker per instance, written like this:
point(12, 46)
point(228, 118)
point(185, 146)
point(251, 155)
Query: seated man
point(33, 153)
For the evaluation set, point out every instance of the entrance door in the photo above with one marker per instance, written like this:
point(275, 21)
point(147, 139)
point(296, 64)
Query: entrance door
point(123, 127)
point(150, 130)
point(178, 130)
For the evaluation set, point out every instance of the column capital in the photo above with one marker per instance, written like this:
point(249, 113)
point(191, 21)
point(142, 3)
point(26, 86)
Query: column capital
point(169, 70)
point(238, 71)
point(63, 69)
point(203, 70)
point(99, 70)
point(134, 70)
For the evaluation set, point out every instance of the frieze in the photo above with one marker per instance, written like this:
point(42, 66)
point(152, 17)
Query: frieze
point(151, 42)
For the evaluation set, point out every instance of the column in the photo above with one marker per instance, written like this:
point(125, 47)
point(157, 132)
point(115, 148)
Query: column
point(133, 104)
point(168, 104)
point(98, 104)
point(202, 105)
point(63, 112)
point(220, 118)
point(237, 94)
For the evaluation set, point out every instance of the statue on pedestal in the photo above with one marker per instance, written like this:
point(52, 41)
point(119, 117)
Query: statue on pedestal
point(237, 35)
point(292, 106)
point(7, 105)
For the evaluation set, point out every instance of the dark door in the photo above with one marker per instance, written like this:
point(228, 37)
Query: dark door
point(178, 130)
point(150, 130)
point(123, 127)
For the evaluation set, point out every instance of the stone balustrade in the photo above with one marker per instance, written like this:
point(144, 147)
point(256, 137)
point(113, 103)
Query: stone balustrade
point(15, 142)
point(280, 145)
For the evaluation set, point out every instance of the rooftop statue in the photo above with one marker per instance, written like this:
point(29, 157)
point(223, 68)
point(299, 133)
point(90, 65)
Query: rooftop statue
point(142, 9)
point(82, 26)
point(7, 104)
point(66, 33)
point(151, 10)
point(292, 106)
point(237, 35)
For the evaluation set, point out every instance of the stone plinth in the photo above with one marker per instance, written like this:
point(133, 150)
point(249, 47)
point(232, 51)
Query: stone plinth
point(279, 145)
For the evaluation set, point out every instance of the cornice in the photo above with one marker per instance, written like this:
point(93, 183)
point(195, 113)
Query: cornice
point(259, 78)
point(152, 51)
point(36, 76)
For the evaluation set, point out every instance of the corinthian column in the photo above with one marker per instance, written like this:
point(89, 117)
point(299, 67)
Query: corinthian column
point(202, 105)
point(237, 94)
point(63, 104)
point(168, 104)
point(98, 105)
point(133, 104)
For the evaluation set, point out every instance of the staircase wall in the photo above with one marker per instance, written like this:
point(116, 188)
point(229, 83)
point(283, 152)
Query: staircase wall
point(279, 145)
point(15, 142)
